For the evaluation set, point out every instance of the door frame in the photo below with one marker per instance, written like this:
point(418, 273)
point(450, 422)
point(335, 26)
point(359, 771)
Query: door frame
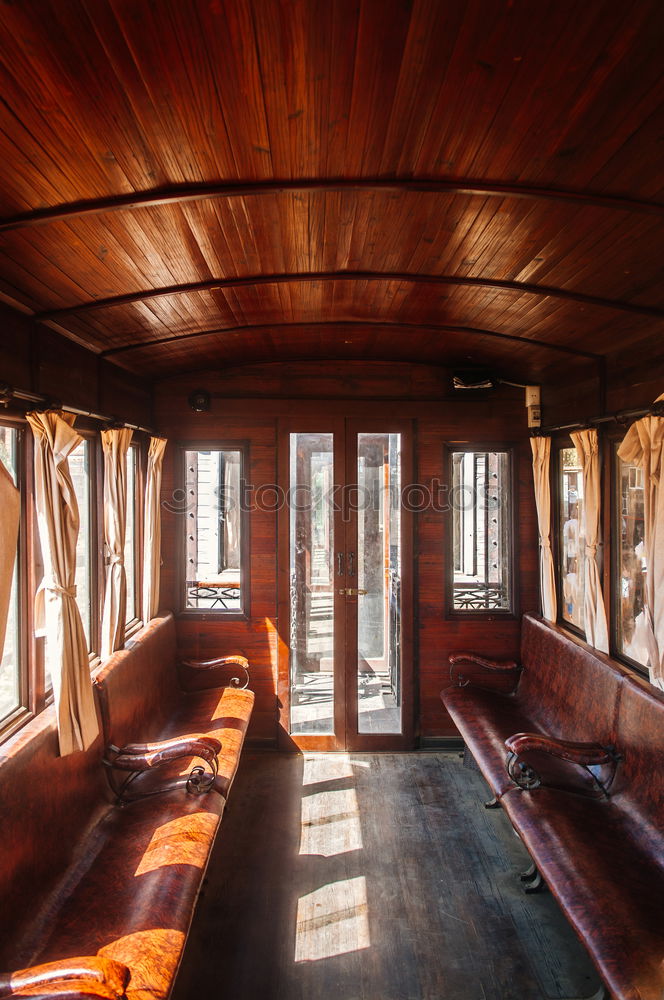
point(345, 737)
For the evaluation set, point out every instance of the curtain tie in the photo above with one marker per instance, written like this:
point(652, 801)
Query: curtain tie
point(54, 588)
point(116, 559)
point(591, 551)
point(545, 542)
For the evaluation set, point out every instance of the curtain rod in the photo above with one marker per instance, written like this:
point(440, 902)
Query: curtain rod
point(657, 410)
point(7, 393)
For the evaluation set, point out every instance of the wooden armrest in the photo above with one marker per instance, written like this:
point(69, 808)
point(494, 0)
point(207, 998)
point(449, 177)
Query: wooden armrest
point(485, 662)
point(197, 674)
point(218, 661)
point(86, 977)
point(143, 756)
point(585, 754)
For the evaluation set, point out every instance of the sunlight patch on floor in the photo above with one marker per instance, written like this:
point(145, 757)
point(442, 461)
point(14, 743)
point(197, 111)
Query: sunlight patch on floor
point(330, 823)
point(330, 819)
point(319, 767)
point(332, 920)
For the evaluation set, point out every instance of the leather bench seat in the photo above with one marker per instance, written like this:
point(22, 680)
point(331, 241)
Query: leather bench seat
point(102, 888)
point(596, 858)
point(564, 690)
point(132, 895)
point(487, 718)
point(601, 853)
point(164, 711)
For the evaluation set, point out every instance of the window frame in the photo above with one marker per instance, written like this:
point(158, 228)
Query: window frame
point(136, 453)
point(24, 710)
point(34, 698)
point(512, 612)
point(558, 444)
point(613, 442)
point(212, 614)
point(95, 539)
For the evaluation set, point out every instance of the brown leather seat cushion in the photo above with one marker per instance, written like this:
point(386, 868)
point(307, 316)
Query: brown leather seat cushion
point(601, 866)
point(139, 881)
point(486, 719)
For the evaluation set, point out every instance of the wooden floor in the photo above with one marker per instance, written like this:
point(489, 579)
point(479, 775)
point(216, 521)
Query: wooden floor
point(373, 877)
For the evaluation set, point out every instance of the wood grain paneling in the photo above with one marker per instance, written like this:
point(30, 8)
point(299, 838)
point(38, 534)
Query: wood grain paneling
point(203, 637)
point(438, 635)
point(544, 123)
point(36, 359)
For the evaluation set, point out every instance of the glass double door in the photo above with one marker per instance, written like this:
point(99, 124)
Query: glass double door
point(345, 562)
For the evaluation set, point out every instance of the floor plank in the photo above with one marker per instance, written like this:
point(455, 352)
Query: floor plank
point(373, 877)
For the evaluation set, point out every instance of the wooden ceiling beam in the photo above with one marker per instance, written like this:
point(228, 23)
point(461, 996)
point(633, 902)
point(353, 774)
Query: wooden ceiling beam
point(182, 193)
point(219, 284)
point(346, 324)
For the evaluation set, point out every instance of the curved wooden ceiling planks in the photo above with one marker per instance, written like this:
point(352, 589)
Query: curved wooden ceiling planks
point(306, 277)
point(247, 175)
point(508, 357)
point(184, 193)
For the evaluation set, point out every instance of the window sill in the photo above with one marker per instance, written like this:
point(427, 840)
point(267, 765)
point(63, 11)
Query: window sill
point(132, 627)
point(14, 722)
point(478, 615)
point(193, 614)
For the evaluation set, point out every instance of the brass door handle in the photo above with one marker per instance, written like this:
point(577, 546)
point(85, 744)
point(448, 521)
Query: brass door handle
point(352, 592)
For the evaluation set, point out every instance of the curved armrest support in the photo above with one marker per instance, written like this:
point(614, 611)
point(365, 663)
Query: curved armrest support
point(578, 753)
point(197, 674)
point(137, 758)
point(93, 976)
point(485, 662)
point(586, 755)
point(143, 756)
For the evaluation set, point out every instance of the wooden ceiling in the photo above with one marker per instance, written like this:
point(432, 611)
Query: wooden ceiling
point(189, 184)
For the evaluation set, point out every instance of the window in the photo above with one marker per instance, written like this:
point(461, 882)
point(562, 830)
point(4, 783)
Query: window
point(79, 467)
point(25, 682)
point(131, 558)
point(10, 665)
point(630, 564)
point(215, 571)
point(571, 543)
point(481, 536)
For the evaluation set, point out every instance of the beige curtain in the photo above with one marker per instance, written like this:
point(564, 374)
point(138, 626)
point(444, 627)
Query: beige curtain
point(644, 446)
point(594, 612)
point(152, 529)
point(57, 612)
point(10, 505)
point(541, 448)
point(115, 443)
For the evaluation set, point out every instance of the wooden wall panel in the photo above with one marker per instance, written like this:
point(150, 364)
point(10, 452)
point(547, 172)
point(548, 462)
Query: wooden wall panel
point(497, 419)
point(255, 638)
point(37, 359)
point(482, 424)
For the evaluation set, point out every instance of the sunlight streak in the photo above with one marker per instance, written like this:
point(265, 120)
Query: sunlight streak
point(332, 920)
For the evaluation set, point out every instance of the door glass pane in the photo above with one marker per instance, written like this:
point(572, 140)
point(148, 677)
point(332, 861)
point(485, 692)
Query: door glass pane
point(311, 583)
point(379, 583)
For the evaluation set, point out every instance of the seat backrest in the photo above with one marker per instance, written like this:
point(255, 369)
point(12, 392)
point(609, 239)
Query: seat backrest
point(640, 738)
point(48, 803)
point(137, 687)
point(568, 686)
